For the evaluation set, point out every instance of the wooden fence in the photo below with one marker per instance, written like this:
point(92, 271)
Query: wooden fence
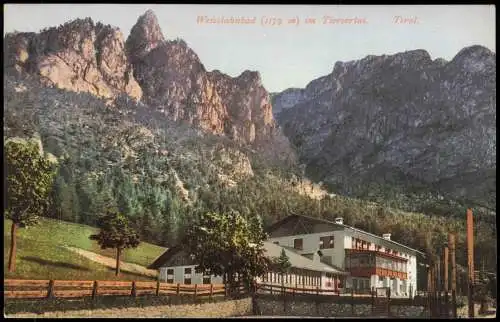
point(269, 288)
point(37, 289)
point(379, 298)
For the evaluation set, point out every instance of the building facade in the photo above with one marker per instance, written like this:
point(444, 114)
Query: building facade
point(175, 266)
point(371, 261)
point(324, 254)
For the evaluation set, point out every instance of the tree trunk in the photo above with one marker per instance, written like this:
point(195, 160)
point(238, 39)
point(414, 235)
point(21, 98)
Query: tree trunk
point(12, 255)
point(118, 251)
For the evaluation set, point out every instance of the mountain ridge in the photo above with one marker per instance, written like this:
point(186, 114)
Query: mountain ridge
point(408, 115)
point(167, 75)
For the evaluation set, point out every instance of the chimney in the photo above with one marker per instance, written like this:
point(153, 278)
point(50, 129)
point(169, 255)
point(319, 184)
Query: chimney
point(387, 236)
point(339, 220)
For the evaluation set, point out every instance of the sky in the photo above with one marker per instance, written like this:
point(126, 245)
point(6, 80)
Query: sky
point(286, 55)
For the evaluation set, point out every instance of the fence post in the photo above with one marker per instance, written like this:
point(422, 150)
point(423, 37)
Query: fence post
point(373, 299)
point(271, 289)
point(50, 291)
point(178, 292)
point(134, 291)
point(388, 302)
point(157, 287)
point(211, 291)
point(352, 301)
point(317, 300)
point(195, 291)
point(94, 289)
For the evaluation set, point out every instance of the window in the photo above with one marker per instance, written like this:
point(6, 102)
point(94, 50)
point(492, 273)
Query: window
point(297, 244)
point(381, 278)
point(170, 275)
point(206, 277)
point(187, 275)
point(326, 242)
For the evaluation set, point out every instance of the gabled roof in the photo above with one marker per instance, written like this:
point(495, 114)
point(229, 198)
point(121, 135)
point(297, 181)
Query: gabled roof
point(285, 220)
point(271, 250)
point(299, 261)
point(160, 260)
point(295, 216)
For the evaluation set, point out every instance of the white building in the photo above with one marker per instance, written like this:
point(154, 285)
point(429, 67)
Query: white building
point(372, 261)
point(323, 253)
point(175, 266)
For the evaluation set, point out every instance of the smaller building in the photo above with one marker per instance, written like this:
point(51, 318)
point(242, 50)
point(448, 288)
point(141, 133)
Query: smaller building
point(176, 266)
point(305, 271)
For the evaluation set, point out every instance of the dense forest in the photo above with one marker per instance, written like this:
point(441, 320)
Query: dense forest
point(162, 174)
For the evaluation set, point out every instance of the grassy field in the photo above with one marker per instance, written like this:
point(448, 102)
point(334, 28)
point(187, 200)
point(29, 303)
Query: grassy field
point(41, 253)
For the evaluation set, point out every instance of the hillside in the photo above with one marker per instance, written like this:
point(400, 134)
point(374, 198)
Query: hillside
point(42, 253)
point(413, 132)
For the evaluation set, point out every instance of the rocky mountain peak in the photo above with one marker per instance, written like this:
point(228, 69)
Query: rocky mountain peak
point(249, 76)
point(474, 59)
point(78, 55)
point(145, 36)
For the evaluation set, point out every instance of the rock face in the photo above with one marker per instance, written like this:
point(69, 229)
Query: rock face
point(77, 56)
point(84, 56)
point(401, 120)
point(175, 82)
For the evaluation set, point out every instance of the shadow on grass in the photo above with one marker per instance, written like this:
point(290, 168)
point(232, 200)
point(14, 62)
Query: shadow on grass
point(42, 261)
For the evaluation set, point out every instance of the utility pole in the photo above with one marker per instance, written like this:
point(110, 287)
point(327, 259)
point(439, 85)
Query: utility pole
point(451, 244)
point(470, 261)
point(445, 271)
point(429, 288)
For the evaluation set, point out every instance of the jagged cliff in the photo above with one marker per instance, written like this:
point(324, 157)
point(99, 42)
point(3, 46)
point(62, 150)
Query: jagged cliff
point(403, 121)
point(79, 56)
point(176, 83)
point(84, 56)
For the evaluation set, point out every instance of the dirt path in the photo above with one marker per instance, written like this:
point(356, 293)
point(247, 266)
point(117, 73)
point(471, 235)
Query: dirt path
point(111, 262)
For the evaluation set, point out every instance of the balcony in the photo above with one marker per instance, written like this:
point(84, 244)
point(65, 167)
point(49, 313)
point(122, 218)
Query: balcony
point(378, 253)
point(390, 273)
point(365, 263)
point(379, 271)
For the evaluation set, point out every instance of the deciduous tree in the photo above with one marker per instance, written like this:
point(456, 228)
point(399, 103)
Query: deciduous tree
point(115, 233)
point(28, 178)
point(226, 245)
